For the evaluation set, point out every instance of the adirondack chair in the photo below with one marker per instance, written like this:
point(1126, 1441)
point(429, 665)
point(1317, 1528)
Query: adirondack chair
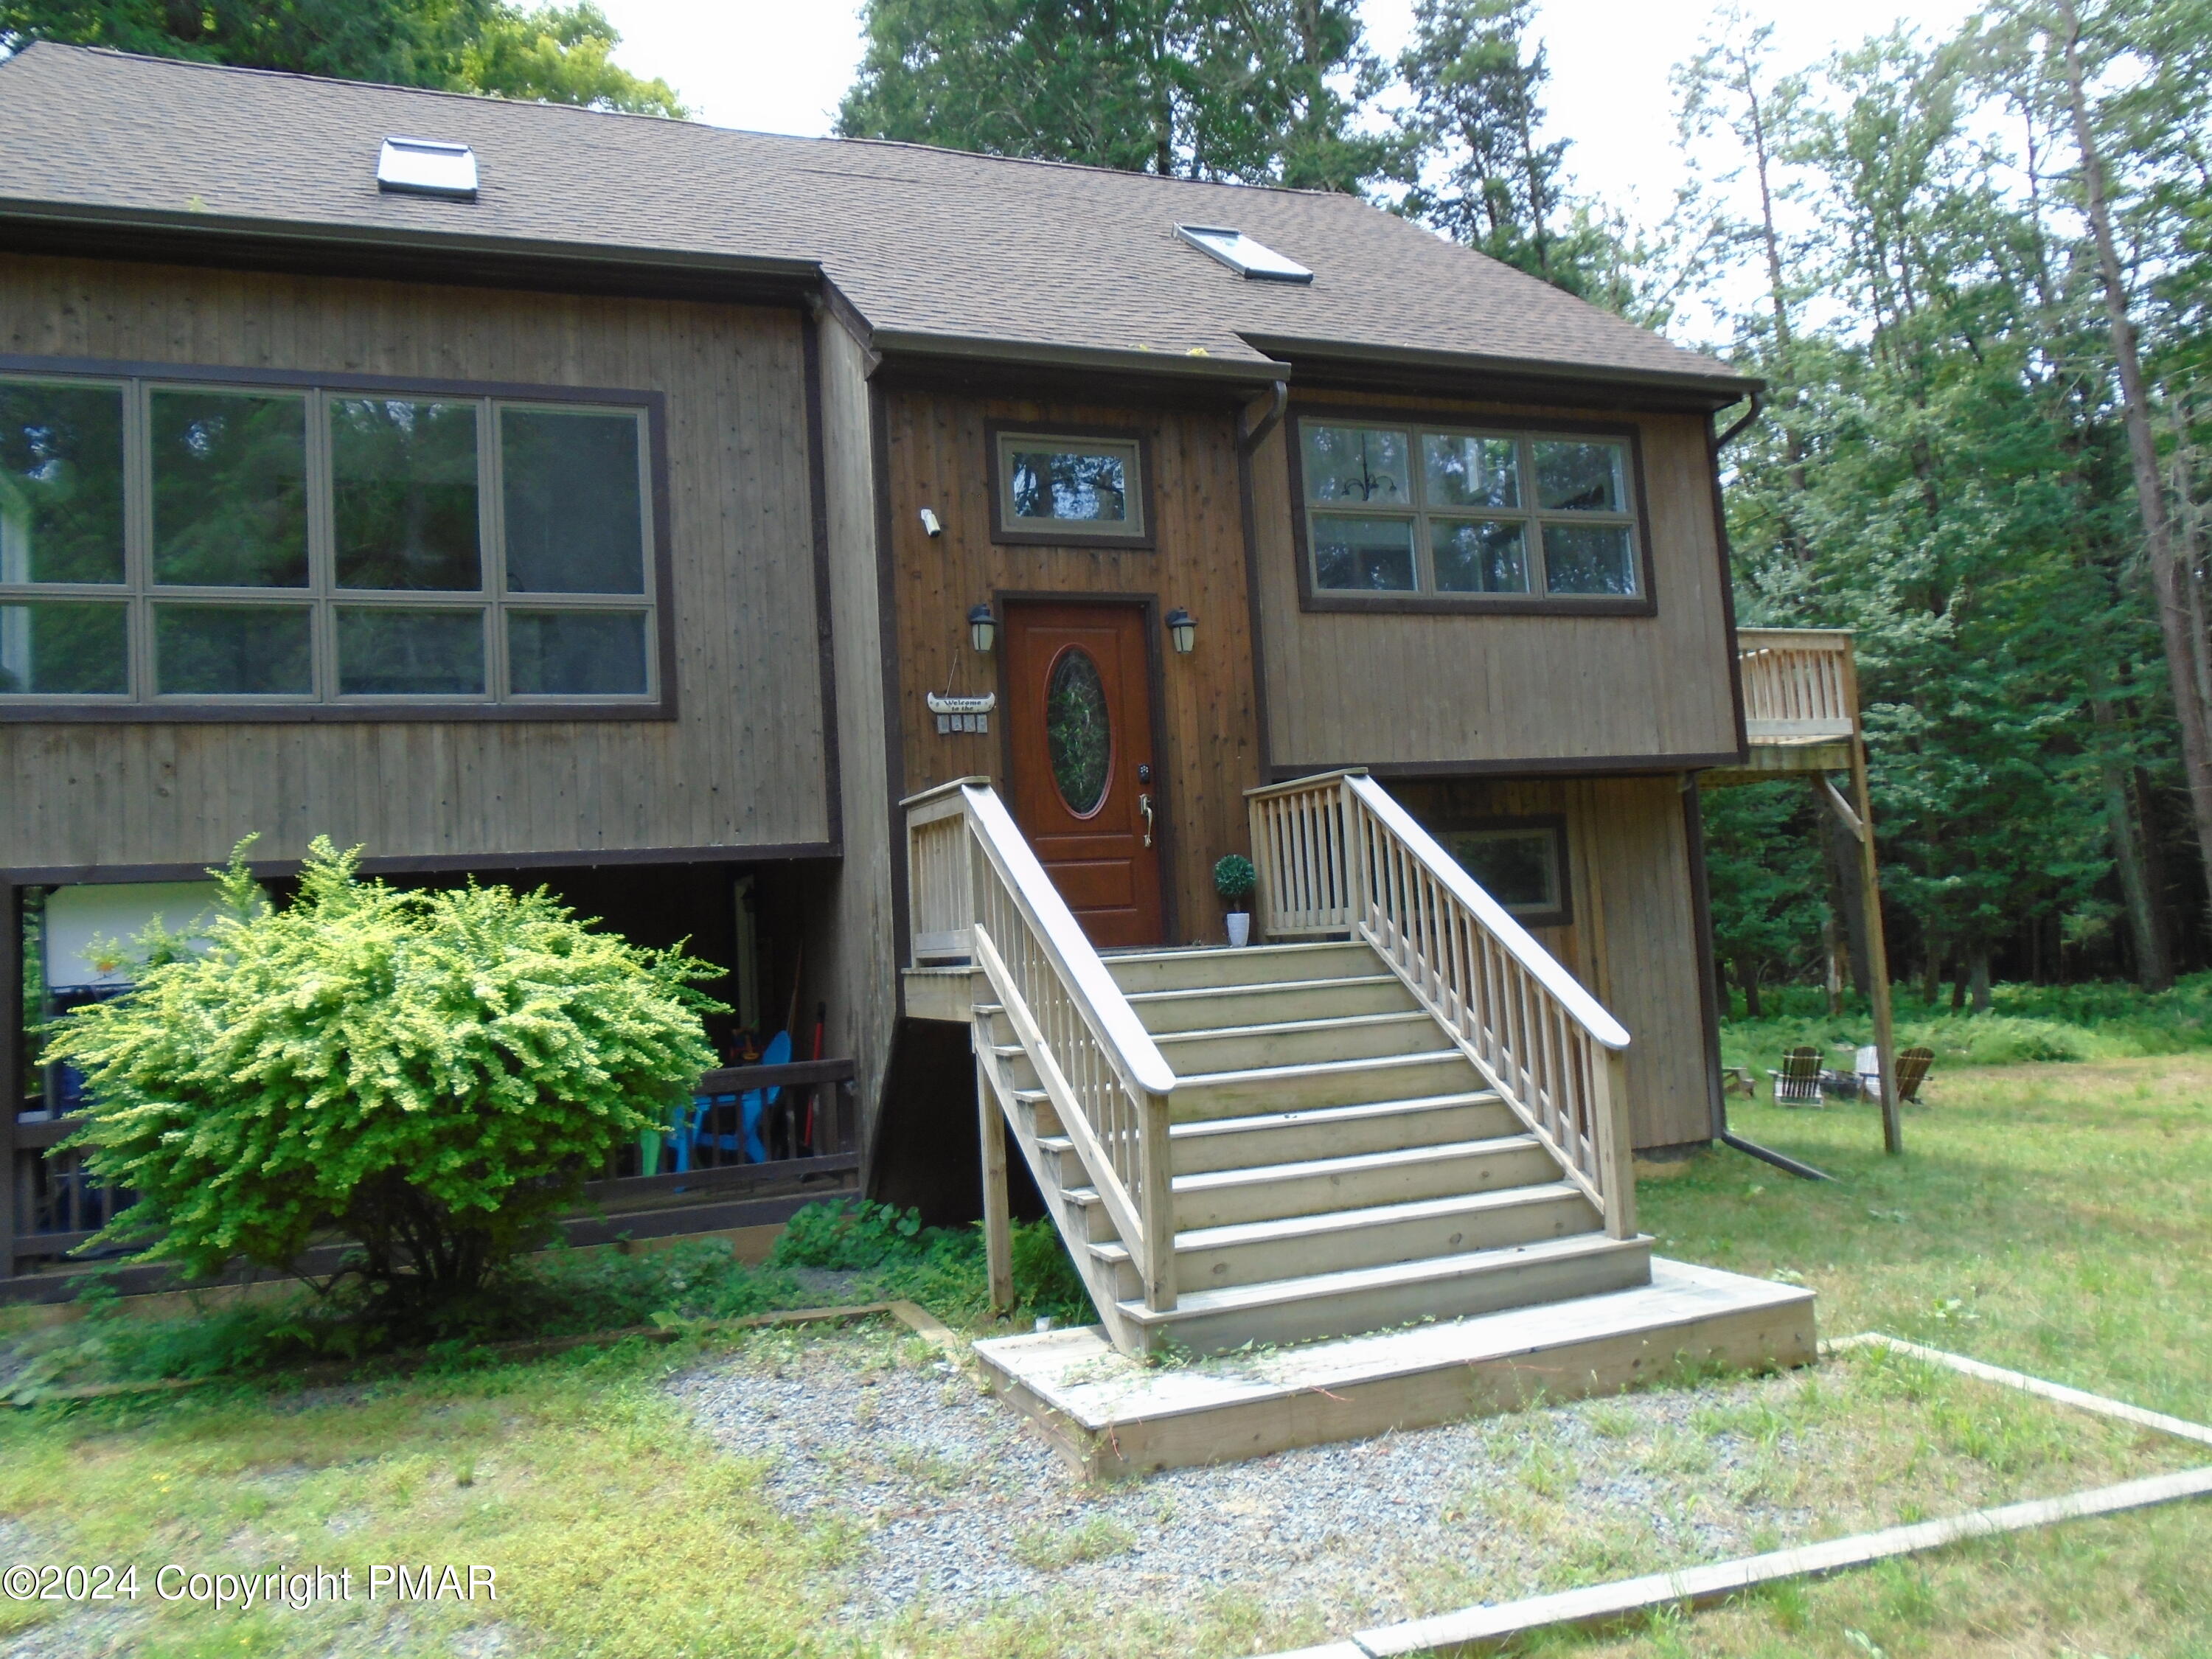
point(1912, 1071)
point(1799, 1080)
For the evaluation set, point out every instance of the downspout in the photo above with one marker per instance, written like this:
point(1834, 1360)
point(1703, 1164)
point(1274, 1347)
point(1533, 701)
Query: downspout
point(1248, 445)
point(1715, 991)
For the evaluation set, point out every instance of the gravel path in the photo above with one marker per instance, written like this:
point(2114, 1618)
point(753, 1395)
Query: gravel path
point(959, 1506)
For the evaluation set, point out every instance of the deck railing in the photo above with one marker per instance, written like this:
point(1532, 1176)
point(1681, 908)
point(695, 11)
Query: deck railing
point(1797, 682)
point(978, 895)
point(1336, 854)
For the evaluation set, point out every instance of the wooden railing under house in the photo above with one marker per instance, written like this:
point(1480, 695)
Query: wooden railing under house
point(1336, 854)
point(978, 896)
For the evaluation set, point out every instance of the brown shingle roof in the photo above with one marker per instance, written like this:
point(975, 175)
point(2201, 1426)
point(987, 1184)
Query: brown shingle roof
point(928, 245)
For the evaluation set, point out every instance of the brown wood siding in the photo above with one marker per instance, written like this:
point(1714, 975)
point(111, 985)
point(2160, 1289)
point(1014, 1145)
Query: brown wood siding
point(1633, 940)
point(1431, 689)
point(854, 938)
point(1208, 721)
point(742, 767)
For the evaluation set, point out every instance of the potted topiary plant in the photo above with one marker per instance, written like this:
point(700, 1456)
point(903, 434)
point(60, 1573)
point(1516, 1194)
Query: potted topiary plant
point(1234, 878)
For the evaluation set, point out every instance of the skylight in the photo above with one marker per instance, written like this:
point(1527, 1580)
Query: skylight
point(1240, 252)
point(426, 166)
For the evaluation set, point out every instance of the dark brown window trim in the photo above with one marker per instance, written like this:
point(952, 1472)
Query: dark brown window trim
point(1001, 534)
point(236, 712)
point(488, 864)
point(1644, 604)
point(1526, 824)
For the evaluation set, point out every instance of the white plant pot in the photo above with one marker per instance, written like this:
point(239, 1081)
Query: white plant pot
point(1240, 928)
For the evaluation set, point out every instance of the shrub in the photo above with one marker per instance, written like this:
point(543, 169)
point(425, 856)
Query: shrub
point(434, 1074)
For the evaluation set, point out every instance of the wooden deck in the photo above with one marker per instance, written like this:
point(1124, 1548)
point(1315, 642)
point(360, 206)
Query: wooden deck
point(1111, 1416)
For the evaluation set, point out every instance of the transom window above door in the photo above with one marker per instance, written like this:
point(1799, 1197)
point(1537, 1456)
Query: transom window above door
point(1069, 489)
point(251, 545)
point(1415, 516)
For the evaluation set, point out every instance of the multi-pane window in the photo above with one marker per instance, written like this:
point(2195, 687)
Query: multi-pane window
point(1414, 510)
point(164, 542)
point(1521, 863)
point(1055, 487)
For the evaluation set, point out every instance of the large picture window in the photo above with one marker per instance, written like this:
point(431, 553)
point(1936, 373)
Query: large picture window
point(190, 543)
point(1454, 518)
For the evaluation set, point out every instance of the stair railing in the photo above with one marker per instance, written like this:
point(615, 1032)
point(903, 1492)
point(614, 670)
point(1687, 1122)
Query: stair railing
point(1337, 854)
point(977, 894)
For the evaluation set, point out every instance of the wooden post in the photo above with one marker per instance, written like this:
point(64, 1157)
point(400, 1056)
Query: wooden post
point(1616, 1142)
point(998, 1238)
point(1156, 1168)
point(1885, 1028)
point(11, 1063)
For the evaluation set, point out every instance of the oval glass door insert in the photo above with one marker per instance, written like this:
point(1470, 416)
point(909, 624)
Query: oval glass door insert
point(1078, 731)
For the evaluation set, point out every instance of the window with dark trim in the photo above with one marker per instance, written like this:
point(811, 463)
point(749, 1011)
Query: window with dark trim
point(1436, 516)
point(1069, 488)
point(1520, 862)
point(195, 542)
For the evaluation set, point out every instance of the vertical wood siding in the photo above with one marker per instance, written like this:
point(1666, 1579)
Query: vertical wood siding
point(855, 936)
point(1208, 721)
point(1345, 689)
point(744, 764)
point(1633, 938)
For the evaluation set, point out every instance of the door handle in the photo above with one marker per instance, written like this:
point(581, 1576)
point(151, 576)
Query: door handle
point(1145, 805)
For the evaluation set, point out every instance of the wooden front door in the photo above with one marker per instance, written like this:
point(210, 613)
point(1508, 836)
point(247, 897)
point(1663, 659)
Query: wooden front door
point(1079, 730)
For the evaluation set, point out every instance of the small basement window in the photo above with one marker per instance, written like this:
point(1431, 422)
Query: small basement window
point(427, 166)
point(1520, 862)
point(1069, 488)
point(1245, 254)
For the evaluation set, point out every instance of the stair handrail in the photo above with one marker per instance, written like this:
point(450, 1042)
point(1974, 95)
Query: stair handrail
point(979, 893)
point(1336, 853)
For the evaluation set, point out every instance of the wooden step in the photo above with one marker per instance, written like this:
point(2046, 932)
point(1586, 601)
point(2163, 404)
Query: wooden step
point(1364, 1299)
point(1263, 1192)
point(1443, 1070)
point(1300, 1042)
point(1213, 1007)
point(1258, 964)
point(1238, 1143)
point(1232, 1143)
point(1249, 1252)
point(1112, 1416)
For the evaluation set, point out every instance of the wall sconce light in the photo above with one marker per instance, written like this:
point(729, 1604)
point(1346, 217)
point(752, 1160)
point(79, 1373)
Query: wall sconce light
point(1182, 629)
point(983, 629)
point(930, 526)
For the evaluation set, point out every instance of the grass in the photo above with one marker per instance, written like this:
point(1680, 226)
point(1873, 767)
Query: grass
point(2052, 1217)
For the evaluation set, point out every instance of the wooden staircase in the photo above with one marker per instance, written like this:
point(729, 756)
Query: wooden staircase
point(1338, 1165)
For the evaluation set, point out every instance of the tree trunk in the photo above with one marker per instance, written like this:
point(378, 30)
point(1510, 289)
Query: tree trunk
point(1931, 977)
point(2168, 579)
point(1958, 985)
point(1747, 975)
point(1977, 977)
point(2154, 971)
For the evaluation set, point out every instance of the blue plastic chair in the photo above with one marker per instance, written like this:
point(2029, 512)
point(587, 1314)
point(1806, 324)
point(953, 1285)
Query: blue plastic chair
point(752, 1106)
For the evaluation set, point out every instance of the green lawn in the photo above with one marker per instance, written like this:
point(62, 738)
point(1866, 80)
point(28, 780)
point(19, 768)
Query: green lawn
point(2054, 1218)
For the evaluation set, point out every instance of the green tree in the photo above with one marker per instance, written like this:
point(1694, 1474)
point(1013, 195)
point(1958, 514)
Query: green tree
point(556, 54)
point(434, 1074)
point(1258, 91)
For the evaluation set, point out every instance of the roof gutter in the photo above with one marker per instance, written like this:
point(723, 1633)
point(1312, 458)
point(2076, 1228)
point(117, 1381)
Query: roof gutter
point(382, 250)
point(904, 346)
point(1758, 407)
point(1697, 390)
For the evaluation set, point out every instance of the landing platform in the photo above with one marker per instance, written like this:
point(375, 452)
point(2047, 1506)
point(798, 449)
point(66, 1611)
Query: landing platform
point(1110, 1415)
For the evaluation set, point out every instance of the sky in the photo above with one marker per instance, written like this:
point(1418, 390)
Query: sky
point(781, 66)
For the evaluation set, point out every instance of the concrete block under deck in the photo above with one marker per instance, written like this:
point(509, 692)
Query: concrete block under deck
point(1110, 1415)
